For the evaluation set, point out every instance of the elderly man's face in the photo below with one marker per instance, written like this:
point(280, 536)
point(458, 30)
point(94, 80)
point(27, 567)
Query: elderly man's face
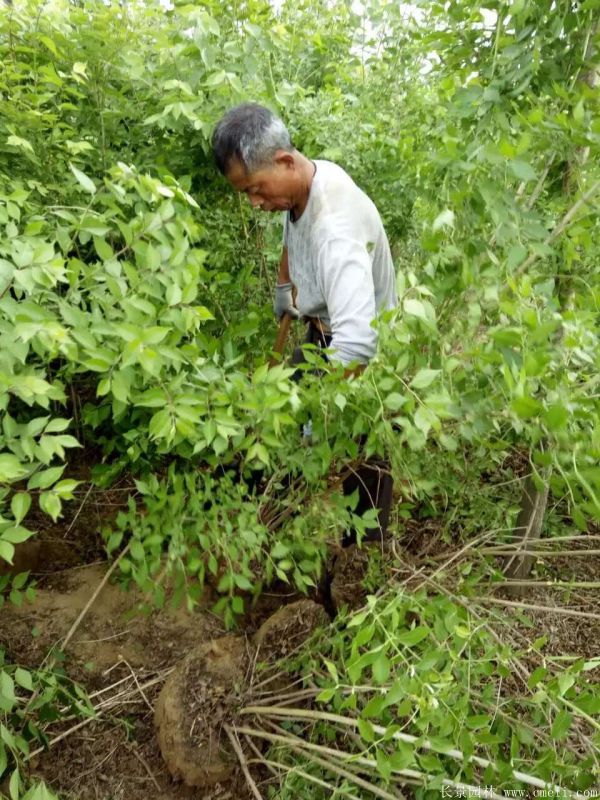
point(270, 188)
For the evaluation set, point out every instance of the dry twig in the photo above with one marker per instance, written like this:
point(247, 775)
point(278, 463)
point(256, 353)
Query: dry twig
point(242, 759)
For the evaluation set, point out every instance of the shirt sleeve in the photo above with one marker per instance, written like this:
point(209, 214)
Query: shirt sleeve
point(345, 276)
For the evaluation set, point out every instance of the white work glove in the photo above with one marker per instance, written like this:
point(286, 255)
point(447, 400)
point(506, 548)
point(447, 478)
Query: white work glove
point(283, 302)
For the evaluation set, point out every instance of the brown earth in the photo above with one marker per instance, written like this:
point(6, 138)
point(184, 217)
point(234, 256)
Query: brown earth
point(359, 571)
point(124, 658)
point(112, 647)
point(200, 702)
point(577, 637)
point(196, 702)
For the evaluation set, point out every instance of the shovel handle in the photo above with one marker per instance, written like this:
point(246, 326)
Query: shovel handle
point(282, 335)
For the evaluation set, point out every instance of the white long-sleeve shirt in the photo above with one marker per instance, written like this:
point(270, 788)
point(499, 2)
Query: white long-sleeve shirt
point(340, 262)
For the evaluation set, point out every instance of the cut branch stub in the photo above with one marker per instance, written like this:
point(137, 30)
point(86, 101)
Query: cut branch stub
point(527, 531)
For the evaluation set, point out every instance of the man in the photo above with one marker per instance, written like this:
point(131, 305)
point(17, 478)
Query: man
point(335, 253)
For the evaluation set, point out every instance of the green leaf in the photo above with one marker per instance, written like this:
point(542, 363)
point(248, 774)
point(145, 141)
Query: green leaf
point(23, 678)
point(414, 636)
point(14, 785)
point(421, 309)
point(384, 764)
point(66, 488)
point(325, 696)
point(366, 730)
point(45, 478)
point(11, 468)
point(161, 425)
point(83, 180)
point(394, 401)
point(444, 220)
point(79, 68)
point(103, 248)
point(7, 551)
point(16, 534)
point(173, 295)
point(57, 425)
point(403, 757)
point(522, 170)
point(424, 378)
point(516, 256)
point(525, 407)
point(242, 582)
point(18, 141)
point(280, 550)
point(340, 401)
point(120, 384)
point(50, 503)
point(137, 550)
point(19, 505)
point(561, 725)
point(448, 442)
point(536, 676)
point(381, 669)
point(7, 690)
point(217, 78)
point(50, 44)
point(556, 417)
point(565, 681)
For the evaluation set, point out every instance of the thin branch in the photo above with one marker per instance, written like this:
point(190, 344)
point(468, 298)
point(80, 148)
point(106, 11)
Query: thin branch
point(83, 502)
point(137, 683)
point(242, 759)
point(299, 745)
point(501, 550)
point(100, 710)
point(93, 598)
point(308, 714)
point(62, 736)
point(561, 227)
point(307, 776)
point(540, 184)
point(567, 612)
point(259, 756)
point(146, 766)
point(548, 584)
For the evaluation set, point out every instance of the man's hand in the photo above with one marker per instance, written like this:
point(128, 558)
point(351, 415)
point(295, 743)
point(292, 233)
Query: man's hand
point(283, 302)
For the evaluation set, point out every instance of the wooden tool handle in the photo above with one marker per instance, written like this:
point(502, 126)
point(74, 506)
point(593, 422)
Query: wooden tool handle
point(282, 335)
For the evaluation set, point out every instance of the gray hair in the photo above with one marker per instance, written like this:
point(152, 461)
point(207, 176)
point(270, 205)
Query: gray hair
point(250, 133)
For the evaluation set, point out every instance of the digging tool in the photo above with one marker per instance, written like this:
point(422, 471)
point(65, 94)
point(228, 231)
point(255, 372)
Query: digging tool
point(282, 335)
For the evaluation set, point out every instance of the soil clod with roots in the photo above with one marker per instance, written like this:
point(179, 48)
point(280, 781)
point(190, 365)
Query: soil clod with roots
point(201, 697)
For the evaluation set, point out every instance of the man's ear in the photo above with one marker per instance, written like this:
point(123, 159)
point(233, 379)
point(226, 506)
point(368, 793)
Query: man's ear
point(285, 159)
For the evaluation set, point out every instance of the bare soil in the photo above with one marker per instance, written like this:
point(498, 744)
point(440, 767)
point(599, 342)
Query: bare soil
point(567, 636)
point(119, 654)
point(124, 658)
point(196, 702)
point(202, 698)
point(117, 757)
point(123, 653)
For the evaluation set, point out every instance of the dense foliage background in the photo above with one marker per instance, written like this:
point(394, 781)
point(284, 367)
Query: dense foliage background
point(135, 291)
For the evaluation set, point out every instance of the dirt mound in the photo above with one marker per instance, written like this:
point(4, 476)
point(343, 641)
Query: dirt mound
point(112, 630)
point(287, 628)
point(198, 698)
point(350, 572)
point(204, 693)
